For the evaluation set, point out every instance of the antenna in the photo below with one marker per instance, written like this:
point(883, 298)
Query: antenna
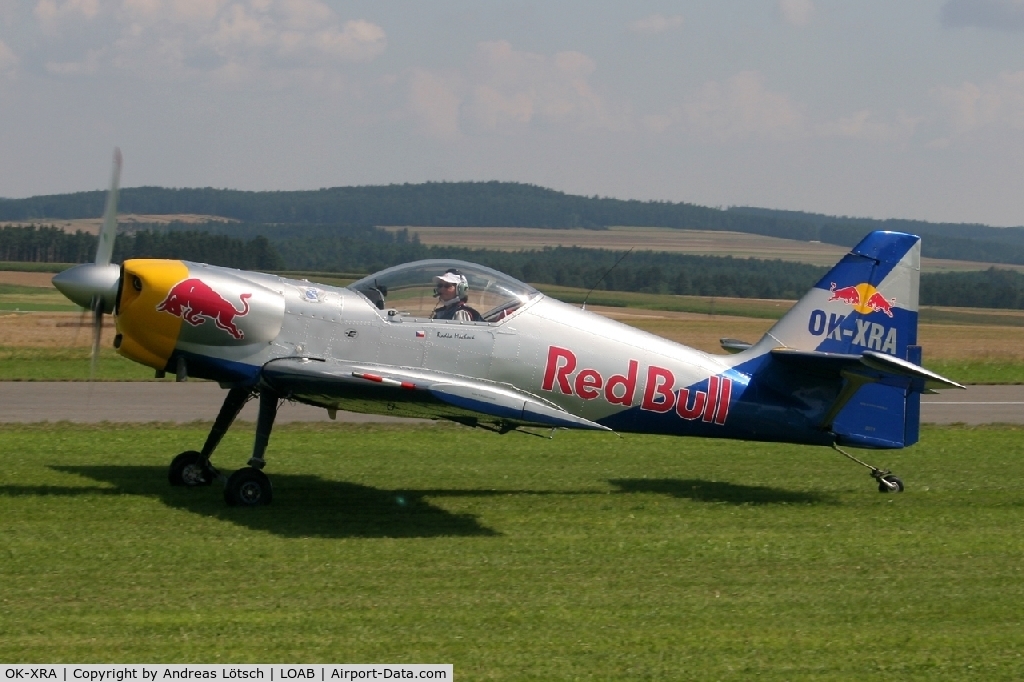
point(584, 306)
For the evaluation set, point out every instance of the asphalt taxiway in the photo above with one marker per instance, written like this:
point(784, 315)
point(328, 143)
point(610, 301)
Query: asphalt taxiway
point(83, 402)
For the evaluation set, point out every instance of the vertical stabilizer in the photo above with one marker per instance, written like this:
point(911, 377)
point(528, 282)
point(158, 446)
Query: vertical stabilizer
point(868, 301)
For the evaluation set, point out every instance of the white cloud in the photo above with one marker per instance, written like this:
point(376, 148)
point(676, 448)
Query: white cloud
point(998, 103)
point(740, 108)
point(1004, 15)
point(433, 99)
point(355, 41)
point(225, 39)
point(196, 12)
point(656, 23)
point(866, 125)
point(512, 87)
point(796, 12)
point(87, 66)
point(504, 90)
point(51, 12)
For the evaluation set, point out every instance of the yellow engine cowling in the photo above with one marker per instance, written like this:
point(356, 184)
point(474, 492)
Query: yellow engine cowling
point(169, 304)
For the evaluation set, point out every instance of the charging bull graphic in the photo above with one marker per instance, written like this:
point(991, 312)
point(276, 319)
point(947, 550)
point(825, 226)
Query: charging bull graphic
point(864, 298)
point(192, 300)
point(848, 295)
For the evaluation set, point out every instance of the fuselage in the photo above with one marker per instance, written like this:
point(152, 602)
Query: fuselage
point(225, 325)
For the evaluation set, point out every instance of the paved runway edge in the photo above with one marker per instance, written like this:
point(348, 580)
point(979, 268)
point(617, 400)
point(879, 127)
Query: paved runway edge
point(27, 402)
point(138, 402)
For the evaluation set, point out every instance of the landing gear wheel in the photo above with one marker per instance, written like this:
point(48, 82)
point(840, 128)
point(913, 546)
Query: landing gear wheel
point(248, 487)
point(188, 469)
point(887, 483)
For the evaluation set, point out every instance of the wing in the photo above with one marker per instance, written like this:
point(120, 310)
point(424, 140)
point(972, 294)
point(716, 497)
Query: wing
point(410, 392)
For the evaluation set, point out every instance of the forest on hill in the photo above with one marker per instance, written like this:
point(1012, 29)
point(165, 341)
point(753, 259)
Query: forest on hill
point(509, 204)
point(365, 249)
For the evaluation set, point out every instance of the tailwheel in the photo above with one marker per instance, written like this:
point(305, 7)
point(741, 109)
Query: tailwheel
point(887, 483)
point(190, 470)
point(248, 487)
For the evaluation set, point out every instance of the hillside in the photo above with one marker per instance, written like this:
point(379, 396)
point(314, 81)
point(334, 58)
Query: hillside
point(507, 204)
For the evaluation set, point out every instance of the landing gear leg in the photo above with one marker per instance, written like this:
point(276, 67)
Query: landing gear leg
point(192, 468)
point(250, 487)
point(887, 482)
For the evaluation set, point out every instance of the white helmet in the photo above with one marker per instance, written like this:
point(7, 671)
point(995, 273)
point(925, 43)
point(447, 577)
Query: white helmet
point(453, 276)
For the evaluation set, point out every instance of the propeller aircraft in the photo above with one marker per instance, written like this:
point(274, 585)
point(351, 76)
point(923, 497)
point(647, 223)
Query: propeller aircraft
point(841, 368)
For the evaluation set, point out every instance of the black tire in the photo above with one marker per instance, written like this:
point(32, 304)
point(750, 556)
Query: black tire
point(187, 471)
point(883, 488)
point(248, 488)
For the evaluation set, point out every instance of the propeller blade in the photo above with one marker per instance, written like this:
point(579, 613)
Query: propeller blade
point(97, 330)
point(105, 247)
point(78, 327)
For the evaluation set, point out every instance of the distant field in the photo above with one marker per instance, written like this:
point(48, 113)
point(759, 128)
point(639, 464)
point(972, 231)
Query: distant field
point(695, 242)
point(513, 557)
point(92, 225)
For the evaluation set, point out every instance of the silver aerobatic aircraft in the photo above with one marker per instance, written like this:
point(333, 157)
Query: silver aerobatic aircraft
point(446, 339)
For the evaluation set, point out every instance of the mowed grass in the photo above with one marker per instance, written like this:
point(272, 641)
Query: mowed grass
point(68, 364)
point(516, 557)
point(33, 299)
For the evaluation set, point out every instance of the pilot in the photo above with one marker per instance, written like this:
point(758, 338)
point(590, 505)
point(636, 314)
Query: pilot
point(451, 290)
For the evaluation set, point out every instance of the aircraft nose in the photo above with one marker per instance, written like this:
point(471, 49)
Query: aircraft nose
point(145, 334)
point(87, 282)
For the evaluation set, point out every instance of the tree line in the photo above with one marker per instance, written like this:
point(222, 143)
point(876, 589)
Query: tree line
point(49, 244)
point(366, 249)
point(510, 204)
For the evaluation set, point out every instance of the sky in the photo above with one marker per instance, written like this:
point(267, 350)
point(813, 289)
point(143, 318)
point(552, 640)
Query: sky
point(910, 109)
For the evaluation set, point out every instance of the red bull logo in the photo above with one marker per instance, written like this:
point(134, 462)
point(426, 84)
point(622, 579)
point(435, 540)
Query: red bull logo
point(864, 298)
point(659, 394)
point(879, 304)
point(194, 301)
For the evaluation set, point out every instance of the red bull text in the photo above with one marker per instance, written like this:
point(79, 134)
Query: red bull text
point(660, 394)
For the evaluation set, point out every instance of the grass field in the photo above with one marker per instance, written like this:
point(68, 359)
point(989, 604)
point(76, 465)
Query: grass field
point(518, 558)
point(68, 364)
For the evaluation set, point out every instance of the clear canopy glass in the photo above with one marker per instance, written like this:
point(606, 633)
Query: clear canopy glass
point(410, 289)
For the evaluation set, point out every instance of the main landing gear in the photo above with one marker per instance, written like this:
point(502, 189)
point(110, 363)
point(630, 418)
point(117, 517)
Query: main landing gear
point(887, 482)
point(247, 487)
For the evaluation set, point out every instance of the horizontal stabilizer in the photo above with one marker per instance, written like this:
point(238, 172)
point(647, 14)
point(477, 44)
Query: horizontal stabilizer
point(893, 365)
point(835, 364)
point(734, 345)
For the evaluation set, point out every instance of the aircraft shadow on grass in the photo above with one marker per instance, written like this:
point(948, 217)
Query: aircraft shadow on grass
point(700, 490)
point(308, 506)
point(304, 505)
